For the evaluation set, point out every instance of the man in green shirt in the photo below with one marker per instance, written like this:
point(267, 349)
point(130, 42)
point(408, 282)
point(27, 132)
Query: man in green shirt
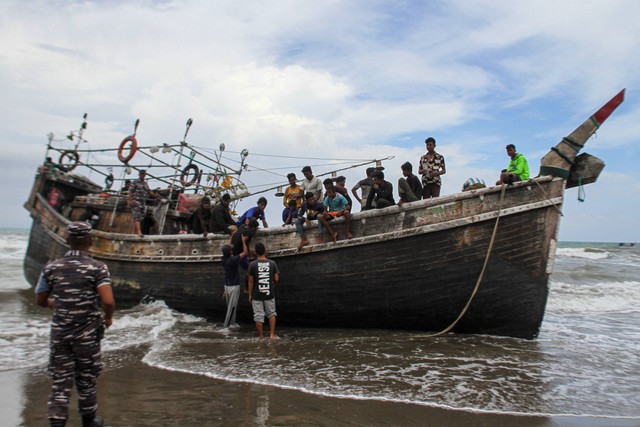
point(518, 169)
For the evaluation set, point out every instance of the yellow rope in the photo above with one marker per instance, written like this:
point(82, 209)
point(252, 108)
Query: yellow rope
point(484, 267)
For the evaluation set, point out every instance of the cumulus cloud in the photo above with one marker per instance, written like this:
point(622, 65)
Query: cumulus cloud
point(322, 80)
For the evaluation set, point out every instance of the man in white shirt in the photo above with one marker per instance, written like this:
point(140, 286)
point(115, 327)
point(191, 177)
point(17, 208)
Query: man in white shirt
point(311, 183)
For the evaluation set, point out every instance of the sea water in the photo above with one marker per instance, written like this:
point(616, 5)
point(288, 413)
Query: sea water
point(585, 362)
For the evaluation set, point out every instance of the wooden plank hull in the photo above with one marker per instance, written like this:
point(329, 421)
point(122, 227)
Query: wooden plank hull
point(412, 267)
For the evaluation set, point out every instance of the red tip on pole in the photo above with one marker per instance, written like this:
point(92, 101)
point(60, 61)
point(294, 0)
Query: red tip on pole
point(603, 113)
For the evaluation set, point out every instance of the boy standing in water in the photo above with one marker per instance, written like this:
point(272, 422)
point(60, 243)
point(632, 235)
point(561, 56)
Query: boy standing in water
point(263, 276)
point(231, 265)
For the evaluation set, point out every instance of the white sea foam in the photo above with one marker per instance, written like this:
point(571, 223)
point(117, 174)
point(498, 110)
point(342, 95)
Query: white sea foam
point(597, 297)
point(13, 246)
point(582, 253)
point(23, 343)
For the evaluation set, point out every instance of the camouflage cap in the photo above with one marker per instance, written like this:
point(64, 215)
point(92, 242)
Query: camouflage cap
point(79, 229)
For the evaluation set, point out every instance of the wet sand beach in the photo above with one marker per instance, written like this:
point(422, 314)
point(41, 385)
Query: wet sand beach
point(134, 394)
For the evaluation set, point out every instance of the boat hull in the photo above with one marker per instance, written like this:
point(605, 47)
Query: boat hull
point(409, 268)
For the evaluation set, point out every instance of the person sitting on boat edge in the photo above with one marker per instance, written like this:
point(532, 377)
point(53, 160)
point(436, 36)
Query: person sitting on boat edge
point(201, 218)
point(221, 221)
point(431, 166)
point(290, 213)
point(365, 186)
point(256, 212)
point(263, 278)
point(381, 192)
point(311, 183)
point(292, 192)
point(231, 265)
point(310, 210)
point(409, 187)
point(517, 170)
point(243, 236)
point(335, 205)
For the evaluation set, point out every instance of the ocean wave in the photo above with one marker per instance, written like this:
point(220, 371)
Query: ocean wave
point(478, 374)
point(596, 297)
point(588, 253)
point(12, 246)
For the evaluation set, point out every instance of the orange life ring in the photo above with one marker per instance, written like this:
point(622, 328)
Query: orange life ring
point(185, 175)
point(73, 160)
point(132, 151)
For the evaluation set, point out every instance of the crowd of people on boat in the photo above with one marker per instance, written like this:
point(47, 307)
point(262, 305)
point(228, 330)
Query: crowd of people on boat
point(312, 199)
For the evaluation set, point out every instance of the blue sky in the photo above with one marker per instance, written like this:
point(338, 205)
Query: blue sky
point(327, 79)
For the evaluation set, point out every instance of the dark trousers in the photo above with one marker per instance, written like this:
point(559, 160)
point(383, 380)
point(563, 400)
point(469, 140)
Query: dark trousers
point(430, 190)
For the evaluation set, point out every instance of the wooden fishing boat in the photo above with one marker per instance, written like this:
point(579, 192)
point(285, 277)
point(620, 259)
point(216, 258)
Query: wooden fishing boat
point(475, 262)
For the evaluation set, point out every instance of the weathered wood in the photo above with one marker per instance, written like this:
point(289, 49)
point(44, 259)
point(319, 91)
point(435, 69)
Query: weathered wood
point(411, 267)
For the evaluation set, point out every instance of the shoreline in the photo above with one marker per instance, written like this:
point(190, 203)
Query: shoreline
point(131, 393)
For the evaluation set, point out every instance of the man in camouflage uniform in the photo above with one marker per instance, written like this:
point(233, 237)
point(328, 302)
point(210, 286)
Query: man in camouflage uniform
point(73, 286)
point(138, 193)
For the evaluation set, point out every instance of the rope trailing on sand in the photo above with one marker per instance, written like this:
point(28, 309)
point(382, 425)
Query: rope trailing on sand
point(484, 267)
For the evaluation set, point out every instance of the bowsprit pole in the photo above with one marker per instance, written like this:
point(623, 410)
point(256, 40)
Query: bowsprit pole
point(558, 161)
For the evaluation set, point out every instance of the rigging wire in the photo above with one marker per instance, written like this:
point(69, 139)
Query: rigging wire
point(291, 157)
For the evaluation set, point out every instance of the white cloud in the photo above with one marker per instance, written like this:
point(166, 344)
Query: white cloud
point(318, 79)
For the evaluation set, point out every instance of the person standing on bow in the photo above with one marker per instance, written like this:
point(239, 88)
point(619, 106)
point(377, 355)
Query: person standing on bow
point(431, 167)
point(139, 191)
point(73, 287)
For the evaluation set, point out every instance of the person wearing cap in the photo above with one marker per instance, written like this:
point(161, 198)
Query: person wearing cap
point(202, 218)
point(139, 191)
point(431, 167)
point(74, 287)
point(365, 186)
point(310, 183)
